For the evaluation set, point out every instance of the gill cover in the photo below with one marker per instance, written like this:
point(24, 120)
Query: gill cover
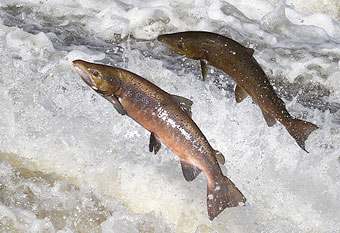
point(184, 43)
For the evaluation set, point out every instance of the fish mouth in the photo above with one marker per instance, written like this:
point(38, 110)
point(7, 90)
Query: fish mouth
point(168, 42)
point(83, 72)
point(162, 38)
point(165, 40)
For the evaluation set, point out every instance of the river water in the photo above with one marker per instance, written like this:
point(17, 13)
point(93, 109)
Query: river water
point(70, 163)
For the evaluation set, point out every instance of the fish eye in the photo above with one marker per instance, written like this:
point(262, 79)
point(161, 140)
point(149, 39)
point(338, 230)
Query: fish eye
point(180, 46)
point(95, 73)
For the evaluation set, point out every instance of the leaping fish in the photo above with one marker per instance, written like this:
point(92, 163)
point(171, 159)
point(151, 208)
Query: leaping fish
point(168, 119)
point(238, 62)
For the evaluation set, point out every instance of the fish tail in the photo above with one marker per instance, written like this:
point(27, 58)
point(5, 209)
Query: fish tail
point(300, 130)
point(222, 194)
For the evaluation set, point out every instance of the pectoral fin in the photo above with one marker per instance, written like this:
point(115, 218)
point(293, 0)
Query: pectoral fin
point(204, 68)
point(190, 172)
point(219, 156)
point(154, 144)
point(269, 119)
point(116, 104)
point(184, 103)
point(240, 94)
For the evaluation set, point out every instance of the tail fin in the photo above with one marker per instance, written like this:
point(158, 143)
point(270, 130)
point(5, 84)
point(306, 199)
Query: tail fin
point(221, 195)
point(300, 130)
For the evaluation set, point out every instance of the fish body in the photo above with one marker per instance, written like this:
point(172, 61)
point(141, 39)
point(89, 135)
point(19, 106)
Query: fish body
point(238, 62)
point(168, 119)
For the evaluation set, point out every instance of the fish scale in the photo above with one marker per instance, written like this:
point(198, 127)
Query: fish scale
point(168, 119)
point(238, 62)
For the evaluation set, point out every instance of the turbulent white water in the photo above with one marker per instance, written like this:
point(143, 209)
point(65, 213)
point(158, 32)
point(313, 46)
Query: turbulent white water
point(70, 163)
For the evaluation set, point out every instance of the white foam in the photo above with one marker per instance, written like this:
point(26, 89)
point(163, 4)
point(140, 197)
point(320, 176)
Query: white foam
point(330, 7)
point(27, 45)
point(52, 118)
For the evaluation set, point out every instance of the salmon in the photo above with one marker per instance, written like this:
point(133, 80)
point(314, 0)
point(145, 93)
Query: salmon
point(168, 119)
point(238, 62)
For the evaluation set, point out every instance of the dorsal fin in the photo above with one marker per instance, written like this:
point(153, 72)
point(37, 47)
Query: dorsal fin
point(184, 103)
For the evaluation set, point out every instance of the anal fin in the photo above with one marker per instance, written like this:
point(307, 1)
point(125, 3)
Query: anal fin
point(154, 144)
point(204, 68)
point(184, 103)
point(240, 94)
point(190, 172)
point(270, 120)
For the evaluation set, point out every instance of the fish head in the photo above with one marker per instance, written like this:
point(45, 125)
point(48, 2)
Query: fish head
point(183, 44)
point(101, 78)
